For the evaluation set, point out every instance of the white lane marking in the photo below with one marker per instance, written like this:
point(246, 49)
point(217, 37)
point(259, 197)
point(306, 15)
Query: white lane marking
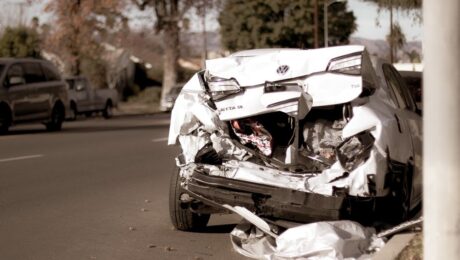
point(21, 158)
point(163, 139)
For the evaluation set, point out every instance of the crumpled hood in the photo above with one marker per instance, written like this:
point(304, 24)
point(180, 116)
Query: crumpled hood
point(251, 68)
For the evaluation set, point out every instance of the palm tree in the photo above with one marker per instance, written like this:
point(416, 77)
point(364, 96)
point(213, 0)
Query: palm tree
point(396, 40)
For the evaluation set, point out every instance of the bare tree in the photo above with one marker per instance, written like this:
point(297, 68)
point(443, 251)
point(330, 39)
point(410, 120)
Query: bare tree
point(77, 24)
point(169, 14)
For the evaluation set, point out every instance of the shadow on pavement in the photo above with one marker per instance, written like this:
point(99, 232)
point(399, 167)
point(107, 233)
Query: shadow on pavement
point(227, 228)
point(127, 123)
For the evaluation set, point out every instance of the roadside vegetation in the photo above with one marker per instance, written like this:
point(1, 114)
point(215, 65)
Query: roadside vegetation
point(97, 39)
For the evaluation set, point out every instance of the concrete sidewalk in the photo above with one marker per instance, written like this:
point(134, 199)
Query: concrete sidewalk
point(130, 108)
point(394, 247)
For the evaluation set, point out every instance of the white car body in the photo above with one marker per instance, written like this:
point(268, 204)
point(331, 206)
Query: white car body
point(230, 107)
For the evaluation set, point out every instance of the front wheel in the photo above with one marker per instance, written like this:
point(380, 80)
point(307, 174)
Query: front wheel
point(182, 217)
point(5, 120)
point(108, 111)
point(57, 117)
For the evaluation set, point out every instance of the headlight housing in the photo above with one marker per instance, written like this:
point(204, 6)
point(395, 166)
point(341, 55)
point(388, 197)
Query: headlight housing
point(355, 150)
point(350, 64)
point(221, 88)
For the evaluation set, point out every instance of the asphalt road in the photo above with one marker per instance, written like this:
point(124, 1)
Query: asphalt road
point(98, 189)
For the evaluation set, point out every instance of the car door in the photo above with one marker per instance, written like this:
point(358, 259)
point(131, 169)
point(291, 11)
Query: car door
point(91, 93)
point(82, 95)
point(18, 93)
point(410, 122)
point(41, 96)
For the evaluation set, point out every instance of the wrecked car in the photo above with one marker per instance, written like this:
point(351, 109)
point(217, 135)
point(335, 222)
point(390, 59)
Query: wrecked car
point(295, 135)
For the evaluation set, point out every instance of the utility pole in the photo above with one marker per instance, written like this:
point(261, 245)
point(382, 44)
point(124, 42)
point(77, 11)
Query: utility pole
point(315, 18)
point(204, 34)
point(441, 129)
point(327, 3)
point(392, 58)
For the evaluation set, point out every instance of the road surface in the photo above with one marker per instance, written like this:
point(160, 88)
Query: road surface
point(98, 189)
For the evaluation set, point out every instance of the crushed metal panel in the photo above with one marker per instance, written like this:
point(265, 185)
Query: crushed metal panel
point(320, 240)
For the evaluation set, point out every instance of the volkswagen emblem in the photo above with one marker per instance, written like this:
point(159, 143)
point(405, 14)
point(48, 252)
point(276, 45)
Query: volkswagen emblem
point(282, 69)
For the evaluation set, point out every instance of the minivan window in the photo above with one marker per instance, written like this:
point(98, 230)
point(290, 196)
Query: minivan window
point(14, 71)
point(71, 83)
point(33, 72)
point(50, 74)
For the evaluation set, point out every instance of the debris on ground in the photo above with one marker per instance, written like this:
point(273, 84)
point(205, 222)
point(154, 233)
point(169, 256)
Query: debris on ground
point(169, 248)
point(344, 239)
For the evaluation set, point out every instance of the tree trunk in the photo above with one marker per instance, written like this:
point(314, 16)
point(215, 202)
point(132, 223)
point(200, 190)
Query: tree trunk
point(171, 55)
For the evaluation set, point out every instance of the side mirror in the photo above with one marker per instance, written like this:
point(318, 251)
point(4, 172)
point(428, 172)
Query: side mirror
point(15, 80)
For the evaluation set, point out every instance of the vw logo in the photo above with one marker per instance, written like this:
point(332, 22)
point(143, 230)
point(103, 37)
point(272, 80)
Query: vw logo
point(282, 69)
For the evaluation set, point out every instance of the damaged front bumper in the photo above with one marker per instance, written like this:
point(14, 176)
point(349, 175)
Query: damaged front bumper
point(272, 202)
point(267, 201)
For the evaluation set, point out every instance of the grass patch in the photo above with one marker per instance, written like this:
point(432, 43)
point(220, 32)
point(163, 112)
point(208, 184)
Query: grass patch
point(150, 96)
point(413, 251)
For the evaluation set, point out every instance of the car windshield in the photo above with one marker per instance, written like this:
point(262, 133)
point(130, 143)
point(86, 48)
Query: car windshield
point(1, 68)
point(71, 83)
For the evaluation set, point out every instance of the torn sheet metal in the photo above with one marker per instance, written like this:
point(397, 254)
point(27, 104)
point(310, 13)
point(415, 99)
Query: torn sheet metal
point(192, 111)
point(320, 240)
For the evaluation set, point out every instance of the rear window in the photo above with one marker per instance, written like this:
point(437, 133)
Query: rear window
point(33, 72)
point(50, 72)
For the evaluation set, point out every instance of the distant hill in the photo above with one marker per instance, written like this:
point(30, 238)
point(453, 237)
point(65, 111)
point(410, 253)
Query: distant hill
point(193, 42)
point(380, 48)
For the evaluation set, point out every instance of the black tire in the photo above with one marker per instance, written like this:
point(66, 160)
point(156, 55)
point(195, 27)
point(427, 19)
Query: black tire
point(5, 120)
point(406, 192)
point(183, 218)
point(401, 195)
point(57, 117)
point(108, 112)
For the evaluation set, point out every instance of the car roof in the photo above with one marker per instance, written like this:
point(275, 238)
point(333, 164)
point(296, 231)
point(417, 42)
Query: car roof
point(75, 78)
point(412, 74)
point(6, 61)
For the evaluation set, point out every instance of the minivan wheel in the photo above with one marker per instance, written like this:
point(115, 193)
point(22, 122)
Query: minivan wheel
point(183, 218)
point(57, 117)
point(5, 120)
point(108, 112)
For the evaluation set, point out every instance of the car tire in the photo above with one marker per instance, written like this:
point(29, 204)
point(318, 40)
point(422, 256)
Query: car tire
point(108, 111)
point(57, 117)
point(183, 218)
point(402, 195)
point(5, 119)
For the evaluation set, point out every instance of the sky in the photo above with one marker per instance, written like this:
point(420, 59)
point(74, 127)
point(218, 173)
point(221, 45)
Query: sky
point(366, 14)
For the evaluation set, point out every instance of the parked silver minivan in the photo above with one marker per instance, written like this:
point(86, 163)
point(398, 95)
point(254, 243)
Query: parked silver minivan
point(31, 90)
